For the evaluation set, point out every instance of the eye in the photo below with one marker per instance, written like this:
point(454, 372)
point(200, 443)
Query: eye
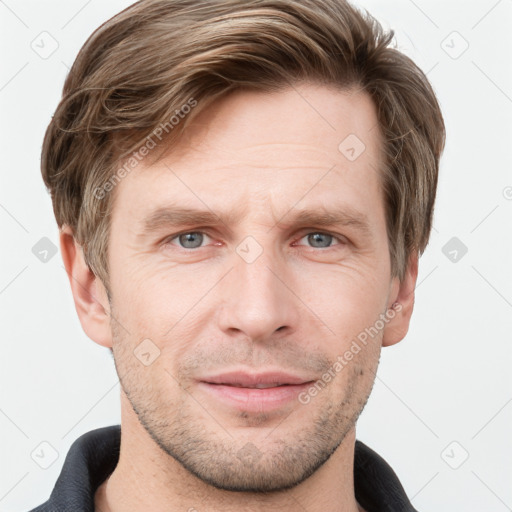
point(195, 239)
point(189, 240)
point(320, 240)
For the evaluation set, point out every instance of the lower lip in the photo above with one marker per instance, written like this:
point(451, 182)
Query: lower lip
point(252, 399)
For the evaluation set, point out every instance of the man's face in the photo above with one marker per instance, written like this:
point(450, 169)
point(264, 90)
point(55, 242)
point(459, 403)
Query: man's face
point(255, 298)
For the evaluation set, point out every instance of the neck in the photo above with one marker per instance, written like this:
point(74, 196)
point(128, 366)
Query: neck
point(147, 478)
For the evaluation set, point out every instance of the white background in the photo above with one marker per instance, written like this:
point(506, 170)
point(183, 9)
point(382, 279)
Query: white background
point(448, 380)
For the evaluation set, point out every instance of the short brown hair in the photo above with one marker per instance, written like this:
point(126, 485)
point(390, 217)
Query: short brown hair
point(139, 69)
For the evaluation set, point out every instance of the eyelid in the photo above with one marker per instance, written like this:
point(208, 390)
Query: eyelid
point(170, 238)
point(309, 231)
point(302, 233)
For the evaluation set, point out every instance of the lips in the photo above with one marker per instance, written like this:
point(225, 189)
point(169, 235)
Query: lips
point(254, 392)
point(256, 381)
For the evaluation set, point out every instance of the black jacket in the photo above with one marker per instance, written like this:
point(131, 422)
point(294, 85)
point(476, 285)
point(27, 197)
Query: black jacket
point(94, 455)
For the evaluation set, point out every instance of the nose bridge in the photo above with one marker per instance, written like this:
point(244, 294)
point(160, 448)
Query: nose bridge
point(257, 301)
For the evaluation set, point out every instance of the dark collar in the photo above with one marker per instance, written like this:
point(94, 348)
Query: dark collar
point(94, 455)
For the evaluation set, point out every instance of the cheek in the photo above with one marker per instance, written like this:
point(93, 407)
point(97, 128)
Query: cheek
point(349, 309)
point(160, 314)
point(346, 298)
point(156, 299)
point(145, 295)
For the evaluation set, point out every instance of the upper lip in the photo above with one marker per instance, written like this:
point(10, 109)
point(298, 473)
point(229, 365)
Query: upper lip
point(253, 380)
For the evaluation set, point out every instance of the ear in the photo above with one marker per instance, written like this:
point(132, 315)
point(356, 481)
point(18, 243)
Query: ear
point(89, 293)
point(401, 304)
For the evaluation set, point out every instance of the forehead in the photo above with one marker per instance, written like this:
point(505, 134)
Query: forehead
point(316, 117)
point(258, 152)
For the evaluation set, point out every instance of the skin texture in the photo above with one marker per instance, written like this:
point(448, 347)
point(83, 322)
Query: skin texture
point(296, 308)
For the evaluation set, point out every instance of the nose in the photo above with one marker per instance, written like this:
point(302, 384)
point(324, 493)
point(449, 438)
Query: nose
point(258, 298)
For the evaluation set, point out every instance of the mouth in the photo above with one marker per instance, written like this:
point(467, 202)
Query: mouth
point(255, 392)
point(256, 386)
point(256, 380)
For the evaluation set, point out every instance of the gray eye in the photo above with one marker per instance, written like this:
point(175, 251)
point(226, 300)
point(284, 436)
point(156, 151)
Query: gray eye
point(315, 239)
point(191, 240)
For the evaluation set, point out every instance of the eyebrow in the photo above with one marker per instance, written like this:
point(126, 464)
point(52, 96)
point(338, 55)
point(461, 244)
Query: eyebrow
point(173, 217)
point(176, 217)
point(339, 216)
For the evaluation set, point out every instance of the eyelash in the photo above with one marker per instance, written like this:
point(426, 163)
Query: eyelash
point(339, 238)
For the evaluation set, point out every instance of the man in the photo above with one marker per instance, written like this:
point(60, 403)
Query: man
point(243, 190)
